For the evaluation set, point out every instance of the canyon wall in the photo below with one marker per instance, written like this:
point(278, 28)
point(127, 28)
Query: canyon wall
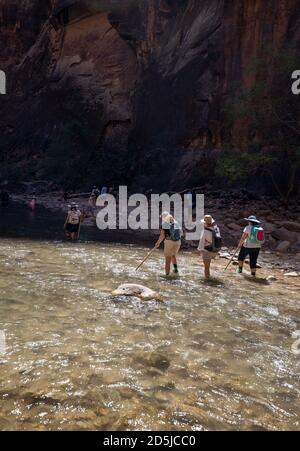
point(136, 91)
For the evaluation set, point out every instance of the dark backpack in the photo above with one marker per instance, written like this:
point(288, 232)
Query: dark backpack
point(174, 232)
point(216, 244)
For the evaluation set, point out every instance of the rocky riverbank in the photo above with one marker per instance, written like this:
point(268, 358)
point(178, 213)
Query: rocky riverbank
point(281, 250)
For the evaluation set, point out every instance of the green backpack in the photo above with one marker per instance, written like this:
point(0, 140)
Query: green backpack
point(257, 235)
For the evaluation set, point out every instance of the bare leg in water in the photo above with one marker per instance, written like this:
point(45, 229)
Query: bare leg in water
point(168, 265)
point(207, 268)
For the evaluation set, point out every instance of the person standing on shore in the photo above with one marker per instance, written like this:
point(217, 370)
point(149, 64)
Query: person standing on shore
point(170, 235)
point(210, 243)
point(73, 222)
point(94, 196)
point(250, 244)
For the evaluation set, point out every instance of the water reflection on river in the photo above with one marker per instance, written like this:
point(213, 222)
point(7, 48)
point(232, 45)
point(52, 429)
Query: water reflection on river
point(212, 356)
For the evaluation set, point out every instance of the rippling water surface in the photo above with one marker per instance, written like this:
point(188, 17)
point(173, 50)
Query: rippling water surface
point(212, 356)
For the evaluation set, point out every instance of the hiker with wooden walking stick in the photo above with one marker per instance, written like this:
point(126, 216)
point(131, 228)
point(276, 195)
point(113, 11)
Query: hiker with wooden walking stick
point(250, 244)
point(170, 235)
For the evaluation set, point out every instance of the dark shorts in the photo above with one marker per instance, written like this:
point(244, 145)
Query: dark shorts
point(253, 254)
point(72, 228)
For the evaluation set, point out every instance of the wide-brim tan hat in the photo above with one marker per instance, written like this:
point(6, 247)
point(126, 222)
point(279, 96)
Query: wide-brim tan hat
point(208, 219)
point(166, 216)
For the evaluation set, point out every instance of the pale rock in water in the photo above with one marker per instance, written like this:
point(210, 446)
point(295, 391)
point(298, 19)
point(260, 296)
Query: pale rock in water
point(130, 289)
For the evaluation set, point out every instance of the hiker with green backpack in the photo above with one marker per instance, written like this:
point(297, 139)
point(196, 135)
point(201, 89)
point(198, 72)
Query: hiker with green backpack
point(210, 243)
point(170, 235)
point(250, 244)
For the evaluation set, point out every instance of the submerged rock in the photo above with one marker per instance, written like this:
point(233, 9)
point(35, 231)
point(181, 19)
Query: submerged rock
point(154, 359)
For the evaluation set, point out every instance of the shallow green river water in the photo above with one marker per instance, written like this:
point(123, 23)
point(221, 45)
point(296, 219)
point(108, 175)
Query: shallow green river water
point(212, 356)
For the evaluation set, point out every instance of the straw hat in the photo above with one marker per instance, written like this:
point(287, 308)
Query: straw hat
point(253, 219)
point(167, 217)
point(208, 220)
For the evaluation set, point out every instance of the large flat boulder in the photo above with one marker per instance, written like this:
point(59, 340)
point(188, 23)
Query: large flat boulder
point(291, 225)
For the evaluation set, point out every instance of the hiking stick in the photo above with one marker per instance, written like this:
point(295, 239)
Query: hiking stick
point(230, 261)
point(79, 230)
point(146, 258)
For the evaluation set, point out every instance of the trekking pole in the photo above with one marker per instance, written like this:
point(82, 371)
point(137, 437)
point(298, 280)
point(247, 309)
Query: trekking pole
point(79, 230)
point(146, 258)
point(230, 261)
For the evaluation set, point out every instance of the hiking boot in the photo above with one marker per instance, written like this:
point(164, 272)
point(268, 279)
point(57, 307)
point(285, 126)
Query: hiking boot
point(175, 269)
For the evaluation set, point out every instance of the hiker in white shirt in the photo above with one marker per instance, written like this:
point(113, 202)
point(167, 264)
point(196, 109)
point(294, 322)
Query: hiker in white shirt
point(250, 244)
point(210, 243)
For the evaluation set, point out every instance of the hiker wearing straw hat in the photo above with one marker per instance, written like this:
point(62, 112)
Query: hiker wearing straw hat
point(251, 243)
point(170, 235)
point(210, 243)
point(73, 221)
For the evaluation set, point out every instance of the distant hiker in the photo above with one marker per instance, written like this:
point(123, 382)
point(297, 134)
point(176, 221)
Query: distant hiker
point(250, 244)
point(171, 236)
point(93, 197)
point(65, 195)
point(73, 222)
point(32, 203)
point(210, 243)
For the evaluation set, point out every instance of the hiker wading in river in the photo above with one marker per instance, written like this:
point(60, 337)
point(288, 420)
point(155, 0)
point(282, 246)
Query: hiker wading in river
point(170, 234)
point(73, 222)
point(210, 243)
point(250, 244)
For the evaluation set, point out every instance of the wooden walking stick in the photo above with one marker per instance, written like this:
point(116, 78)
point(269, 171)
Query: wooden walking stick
point(146, 258)
point(79, 230)
point(230, 261)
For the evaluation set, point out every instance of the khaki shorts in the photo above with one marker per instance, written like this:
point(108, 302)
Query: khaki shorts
point(207, 255)
point(171, 248)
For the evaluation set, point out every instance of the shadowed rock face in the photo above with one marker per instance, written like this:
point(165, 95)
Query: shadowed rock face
point(130, 91)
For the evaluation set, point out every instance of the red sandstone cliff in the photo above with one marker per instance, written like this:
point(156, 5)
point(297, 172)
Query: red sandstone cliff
point(134, 91)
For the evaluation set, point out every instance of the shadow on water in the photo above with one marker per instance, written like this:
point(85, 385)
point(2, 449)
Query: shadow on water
point(18, 221)
point(213, 282)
